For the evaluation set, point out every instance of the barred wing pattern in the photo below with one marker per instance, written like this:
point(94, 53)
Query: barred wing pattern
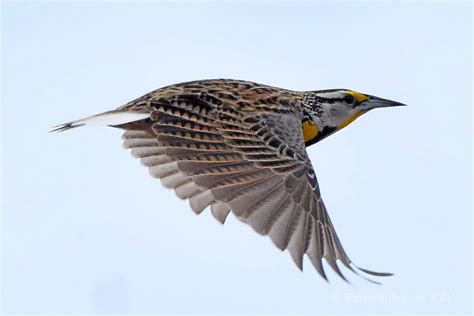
point(253, 163)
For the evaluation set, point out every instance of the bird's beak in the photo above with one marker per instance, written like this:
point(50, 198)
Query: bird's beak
point(375, 102)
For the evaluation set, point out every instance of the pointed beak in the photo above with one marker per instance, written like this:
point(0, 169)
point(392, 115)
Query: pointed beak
point(375, 102)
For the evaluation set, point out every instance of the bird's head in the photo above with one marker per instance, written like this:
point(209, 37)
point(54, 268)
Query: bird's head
point(335, 109)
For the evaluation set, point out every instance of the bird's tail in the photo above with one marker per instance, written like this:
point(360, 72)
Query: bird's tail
point(109, 118)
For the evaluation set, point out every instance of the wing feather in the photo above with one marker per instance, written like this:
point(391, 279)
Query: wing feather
point(296, 245)
point(251, 163)
point(220, 211)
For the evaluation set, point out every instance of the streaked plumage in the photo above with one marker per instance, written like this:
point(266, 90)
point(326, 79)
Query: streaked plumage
point(240, 146)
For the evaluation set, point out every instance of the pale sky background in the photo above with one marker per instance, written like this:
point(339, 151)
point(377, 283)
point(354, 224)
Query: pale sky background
point(85, 229)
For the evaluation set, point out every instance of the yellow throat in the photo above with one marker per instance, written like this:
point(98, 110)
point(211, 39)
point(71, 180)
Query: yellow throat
point(350, 120)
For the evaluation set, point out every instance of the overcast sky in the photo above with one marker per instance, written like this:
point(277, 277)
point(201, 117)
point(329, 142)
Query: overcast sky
point(85, 229)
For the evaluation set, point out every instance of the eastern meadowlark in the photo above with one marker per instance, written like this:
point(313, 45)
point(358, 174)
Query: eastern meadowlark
point(240, 146)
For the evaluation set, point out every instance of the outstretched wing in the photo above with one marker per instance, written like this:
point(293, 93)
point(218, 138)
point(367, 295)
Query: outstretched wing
point(252, 163)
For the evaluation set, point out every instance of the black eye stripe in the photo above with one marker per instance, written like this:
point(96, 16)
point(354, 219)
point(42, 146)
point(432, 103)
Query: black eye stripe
point(349, 98)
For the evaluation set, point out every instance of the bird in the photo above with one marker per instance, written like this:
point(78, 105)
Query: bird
point(235, 146)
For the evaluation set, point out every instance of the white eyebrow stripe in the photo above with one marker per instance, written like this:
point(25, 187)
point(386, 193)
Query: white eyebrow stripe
point(331, 95)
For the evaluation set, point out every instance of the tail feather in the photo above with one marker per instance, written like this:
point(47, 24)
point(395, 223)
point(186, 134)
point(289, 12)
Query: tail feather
point(65, 127)
point(107, 118)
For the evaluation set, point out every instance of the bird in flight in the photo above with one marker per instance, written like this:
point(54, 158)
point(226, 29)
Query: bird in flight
point(239, 146)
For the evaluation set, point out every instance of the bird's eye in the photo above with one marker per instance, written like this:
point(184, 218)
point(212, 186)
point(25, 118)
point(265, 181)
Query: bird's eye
point(349, 98)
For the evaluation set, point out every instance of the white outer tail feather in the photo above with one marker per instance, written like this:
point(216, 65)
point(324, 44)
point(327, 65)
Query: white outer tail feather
point(106, 118)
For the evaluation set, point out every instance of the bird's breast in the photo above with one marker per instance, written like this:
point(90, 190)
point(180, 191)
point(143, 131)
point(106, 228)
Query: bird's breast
point(310, 131)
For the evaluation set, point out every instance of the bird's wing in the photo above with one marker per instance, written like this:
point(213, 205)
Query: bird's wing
point(254, 164)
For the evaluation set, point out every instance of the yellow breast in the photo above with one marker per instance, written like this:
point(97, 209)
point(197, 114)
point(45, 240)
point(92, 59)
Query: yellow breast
point(310, 130)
